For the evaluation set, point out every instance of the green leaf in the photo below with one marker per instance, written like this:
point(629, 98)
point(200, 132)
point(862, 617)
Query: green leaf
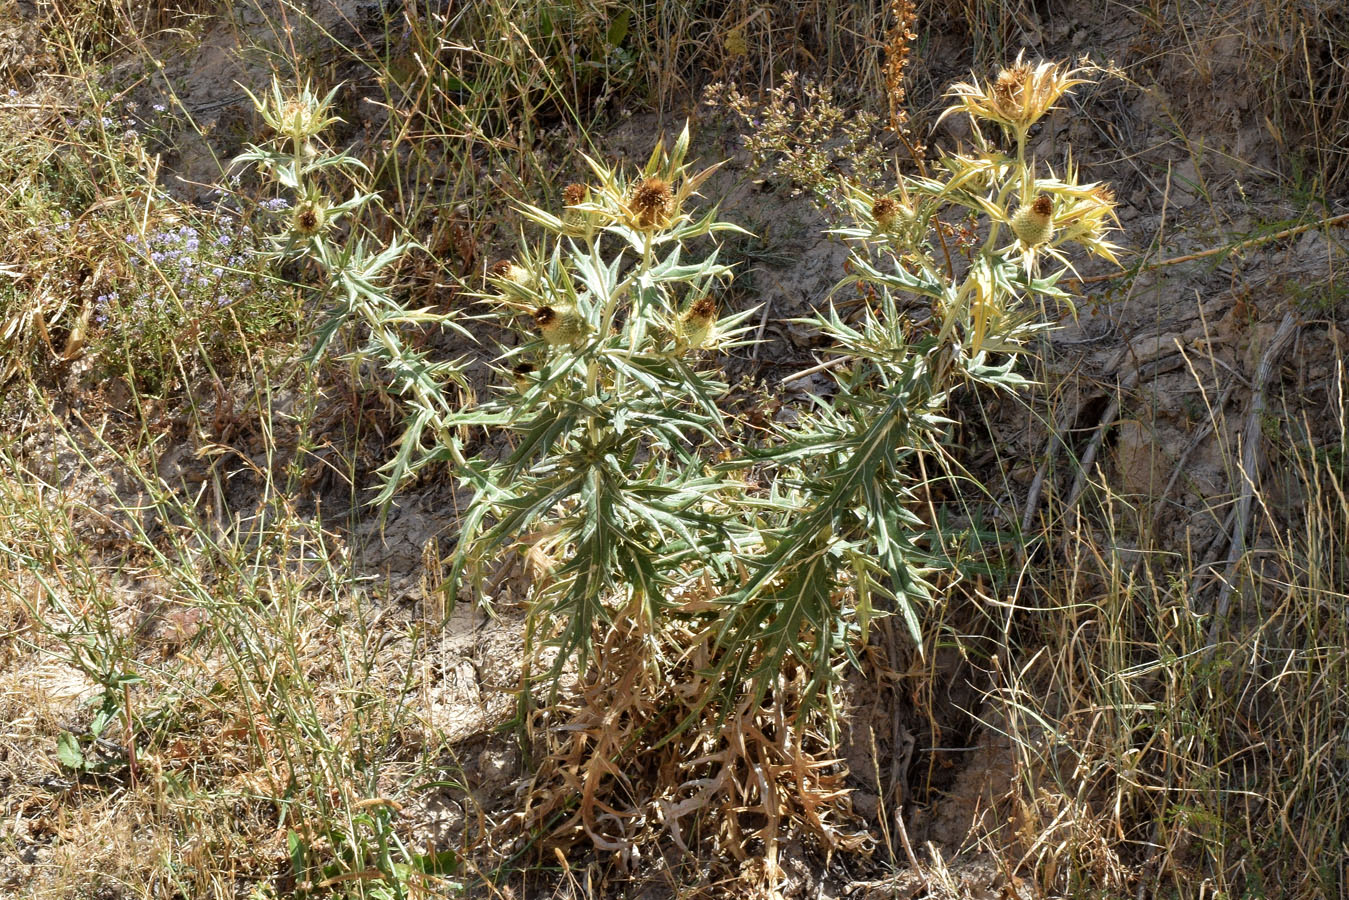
point(618, 28)
point(68, 751)
point(443, 862)
point(101, 720)
point(298, 852)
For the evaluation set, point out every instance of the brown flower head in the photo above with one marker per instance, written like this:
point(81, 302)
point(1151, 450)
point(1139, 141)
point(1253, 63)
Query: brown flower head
point(652, 202)
point(1103, 195)
point(520, 375)
point(514, 274)
point(1009, 88)
point(695, 325)
point(1020, 94)
point(1034, 222)
point(574, 193)
point(704, 309)
point(885, 210)
point(309, 218)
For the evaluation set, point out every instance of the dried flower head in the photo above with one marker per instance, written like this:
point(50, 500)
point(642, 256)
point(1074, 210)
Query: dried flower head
point(1010, 87)
point(885, 210)
point(1019, 96)
point(703, 310)
point(309, 217)
point(1033, 223)
point(695, 325)
point(652, 203)
point(574, 194)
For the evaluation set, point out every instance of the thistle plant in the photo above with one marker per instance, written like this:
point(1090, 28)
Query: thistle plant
point(955, 272)
point(611, 472)
point(611, 415)
point(353, 269)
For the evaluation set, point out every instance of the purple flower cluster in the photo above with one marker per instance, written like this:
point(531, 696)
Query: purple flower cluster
point(186, 269)
point(101, 306)
point(126, 121)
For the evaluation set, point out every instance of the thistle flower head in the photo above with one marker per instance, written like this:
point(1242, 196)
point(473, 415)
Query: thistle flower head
point(1085, 218)
point(1033, 223)
point(511, 272)
point(559, 325)
point(885, 210)
point(299, 115)
point(652, 203)
point(704, 309)
point(580, 215)
point(1092, 209)
point(522, 376)
point(1019, 96)
point(309, 217)
point(695, 324)
point(574, 194)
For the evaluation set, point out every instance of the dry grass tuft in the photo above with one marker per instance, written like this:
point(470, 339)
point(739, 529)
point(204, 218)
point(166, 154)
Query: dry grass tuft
point(633, 760)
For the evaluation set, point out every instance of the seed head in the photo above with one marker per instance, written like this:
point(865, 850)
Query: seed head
point(695, 325)
point(559, 326)
point(309, 218)
point(574, 194)
point(885, 210)
point(1034, 222)
point(652, 202)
